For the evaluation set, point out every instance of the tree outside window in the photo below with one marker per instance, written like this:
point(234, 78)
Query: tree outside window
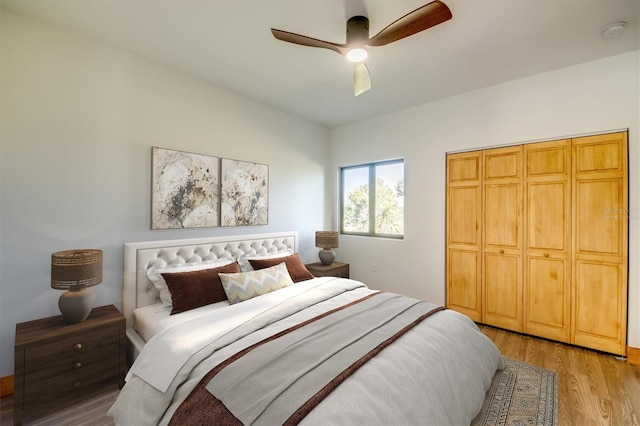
point(378, 212)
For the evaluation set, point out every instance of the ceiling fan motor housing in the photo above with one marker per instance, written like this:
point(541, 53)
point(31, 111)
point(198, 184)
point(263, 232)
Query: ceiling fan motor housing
point(357, 30)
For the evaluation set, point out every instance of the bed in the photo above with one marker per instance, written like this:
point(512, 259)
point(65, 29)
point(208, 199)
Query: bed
point(285, 347)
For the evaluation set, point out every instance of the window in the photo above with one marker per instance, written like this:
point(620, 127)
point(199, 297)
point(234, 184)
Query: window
point(372, 199)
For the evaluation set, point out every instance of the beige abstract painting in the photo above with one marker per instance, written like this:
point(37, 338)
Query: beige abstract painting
point(245, 193)
point(184, 189)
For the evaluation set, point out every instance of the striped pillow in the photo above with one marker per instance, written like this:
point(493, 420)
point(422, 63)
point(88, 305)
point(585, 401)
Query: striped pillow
point(246, 285)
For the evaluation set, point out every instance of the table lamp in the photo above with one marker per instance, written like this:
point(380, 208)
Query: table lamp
point(76, 271)
point(328, 240)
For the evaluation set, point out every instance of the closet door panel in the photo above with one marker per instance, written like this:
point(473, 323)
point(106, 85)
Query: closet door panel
point(463, 293)
point(544, 159)
point(502, 163)
point(502, 228)
point(547, 271)
point(464, 206)
point(600, 154)
point(547, 218)
point(598, 320)
point(463, 215)
point(598, 228)
point(502, 291)
point(502, 216)
point(600, 242)
point(463, 167)
point(547, 298)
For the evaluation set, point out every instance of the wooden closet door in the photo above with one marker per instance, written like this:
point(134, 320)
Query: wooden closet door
point(463, 234)
point(600, 239)
point(502, 237)
point(547, 267)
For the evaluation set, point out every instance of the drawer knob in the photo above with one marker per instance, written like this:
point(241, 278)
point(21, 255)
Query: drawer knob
point(77, 346)
point(76, 384)
point(546, 255)
point(501, 251)
point(77, 365)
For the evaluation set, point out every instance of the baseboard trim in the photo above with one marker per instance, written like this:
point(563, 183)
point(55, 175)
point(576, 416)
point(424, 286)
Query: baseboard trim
point(633, 355)
point(6, 386)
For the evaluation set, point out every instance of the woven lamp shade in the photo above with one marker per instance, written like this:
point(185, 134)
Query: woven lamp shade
point(327, 239)
point(76, 269)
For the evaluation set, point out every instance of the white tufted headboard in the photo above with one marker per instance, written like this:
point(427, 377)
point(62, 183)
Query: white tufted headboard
point(138, 291)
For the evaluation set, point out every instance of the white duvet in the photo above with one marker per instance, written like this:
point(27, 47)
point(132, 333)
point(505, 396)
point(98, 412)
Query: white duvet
point(437, 373)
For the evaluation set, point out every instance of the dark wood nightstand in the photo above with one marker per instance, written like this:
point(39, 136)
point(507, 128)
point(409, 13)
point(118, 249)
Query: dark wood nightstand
point(57, 363)
point(336, 269)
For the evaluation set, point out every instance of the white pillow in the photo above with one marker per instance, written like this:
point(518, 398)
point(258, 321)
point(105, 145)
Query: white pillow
point(245, 266)
point(246, 285)
point(154, 273)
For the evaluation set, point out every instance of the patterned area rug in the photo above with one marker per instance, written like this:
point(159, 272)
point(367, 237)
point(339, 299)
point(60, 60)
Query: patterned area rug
point(521, 394)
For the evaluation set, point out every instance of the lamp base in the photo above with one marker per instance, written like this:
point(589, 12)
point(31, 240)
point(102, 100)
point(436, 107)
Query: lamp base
point(327, 256)
point(76, 305)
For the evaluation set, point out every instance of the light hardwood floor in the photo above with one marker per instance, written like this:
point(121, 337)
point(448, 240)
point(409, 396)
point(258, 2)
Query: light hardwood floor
point(593, 388)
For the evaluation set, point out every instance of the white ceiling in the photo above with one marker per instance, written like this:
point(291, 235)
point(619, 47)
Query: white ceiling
point(229, 43)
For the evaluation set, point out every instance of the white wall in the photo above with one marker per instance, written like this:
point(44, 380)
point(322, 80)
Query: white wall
point(588, 98)
point(78, 120)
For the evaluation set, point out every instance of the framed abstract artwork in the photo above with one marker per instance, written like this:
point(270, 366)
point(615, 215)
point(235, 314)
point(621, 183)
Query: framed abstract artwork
point(185, 189)
point(244, 195)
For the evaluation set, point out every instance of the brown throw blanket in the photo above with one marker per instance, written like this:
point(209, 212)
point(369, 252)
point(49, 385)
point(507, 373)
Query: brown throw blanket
point(384, 315)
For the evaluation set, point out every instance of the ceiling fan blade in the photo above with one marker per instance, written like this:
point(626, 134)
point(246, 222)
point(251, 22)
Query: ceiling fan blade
point(425, 17)
point(308, 41)
point(361, 78)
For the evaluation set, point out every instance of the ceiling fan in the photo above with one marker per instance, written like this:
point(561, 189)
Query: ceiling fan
point(424, 17)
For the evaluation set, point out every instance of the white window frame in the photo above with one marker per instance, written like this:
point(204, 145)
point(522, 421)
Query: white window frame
point(372, 202)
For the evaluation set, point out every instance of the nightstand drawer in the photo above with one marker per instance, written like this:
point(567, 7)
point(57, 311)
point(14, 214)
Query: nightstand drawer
point(69, 355)
point(41, 392)
point(342, 272)
point(81, 345)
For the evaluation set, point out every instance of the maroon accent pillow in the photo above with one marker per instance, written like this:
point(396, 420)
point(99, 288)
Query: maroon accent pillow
point(296, 268)
point(192, 289)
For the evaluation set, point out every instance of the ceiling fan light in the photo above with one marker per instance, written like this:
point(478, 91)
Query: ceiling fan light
point(357, 55)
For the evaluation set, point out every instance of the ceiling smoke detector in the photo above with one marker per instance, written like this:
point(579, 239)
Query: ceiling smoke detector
point(614, 30)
